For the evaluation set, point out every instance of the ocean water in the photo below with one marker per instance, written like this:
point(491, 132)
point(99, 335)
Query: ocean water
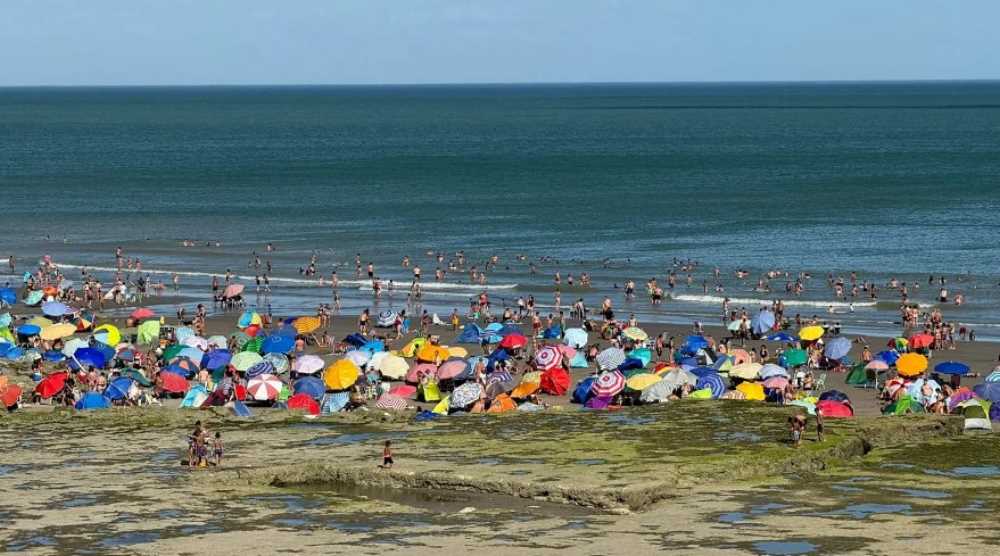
point(885, 179)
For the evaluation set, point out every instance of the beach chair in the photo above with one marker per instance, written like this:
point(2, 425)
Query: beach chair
point(820, 383)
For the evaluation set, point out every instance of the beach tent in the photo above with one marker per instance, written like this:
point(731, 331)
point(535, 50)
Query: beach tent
point(834, 409)
point(118, 389)
point(92, 400)
point(857, 376)
point(195, 397)
point(582, 392)
point(410, 349)
point(443, 406)
point(471, 334)
point(752, 390)
point(902, 406)
point(977, 414)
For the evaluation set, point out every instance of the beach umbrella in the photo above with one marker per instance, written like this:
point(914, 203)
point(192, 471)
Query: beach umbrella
point(196, 342)
point(233, 290)
point(951, 368)
point(182, 366)
point(466, 394)
point(137, 376)
point(54, 356)
point(251, 331)
point(419, 371)
point(216, 359)
point(277, 343)
point(51, 385)
point(635, 333)
point(29, 330)
point(244, 360)
point(393, 367)
point(92, 400)
point(530, 383)
point(555, 382)
point(911, 364)
point(142, 313)
point(55, 309)
point(692, 344)
point(391, 402)
point(783, 337)
point(548, 357)
point(341, 375)
point(148, 332)
point(173, 382)
point(279, 361)
point(335, 402)
point(988, 391)
point(303, 402)
point(306, 325)
point(921, 341)
point(90, 356)
point(771, 370)
point(432, 353)
point(452, 369)
point(5, 320)
point(40, 322)
point(57, 331)
point(253, 345)
point(118, 388)
point(834, 409)
point(33, 298)
point(262, 368)
point(713, 382)
point(10, 396)
point(775, 382)
point(676, 378)
point(608, 384)
point(511, 341)
point(404, 391)
point(248, 318)
point(746, 371)
point(734, 325)
point(73, 344)
point(752, 390)
point(575, 337)
point(218, 342)
point(915, 390)
point(890, 356)
point(740, 356)
point(658, 393)
point(386, 319)
point(309, 385)
point(358, 357)
point(762, 322)
point(993, 376)
point(795, 357)
point(457, 351)
point(264, 387)
point(877, 365)
point(701, 371)
point(195, 355)
point(837, 348)
point(610, 358)
point(810, 333)
point(182, 332)
point(8, 296)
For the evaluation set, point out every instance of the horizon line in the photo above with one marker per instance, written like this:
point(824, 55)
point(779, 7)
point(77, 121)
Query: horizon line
point(504, 83)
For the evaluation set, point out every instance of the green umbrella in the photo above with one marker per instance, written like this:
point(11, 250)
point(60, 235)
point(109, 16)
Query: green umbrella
point(253, 345)
point(172, 351)
point(795, 357)
point(138, 377)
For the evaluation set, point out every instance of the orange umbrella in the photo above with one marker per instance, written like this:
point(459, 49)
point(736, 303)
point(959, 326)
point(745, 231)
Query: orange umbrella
point(306, 325)
point(911, 364)
point(11, 395)
point(920, 341)
point(502, 404)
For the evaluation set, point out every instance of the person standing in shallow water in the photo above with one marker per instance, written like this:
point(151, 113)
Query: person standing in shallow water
point(387, 455)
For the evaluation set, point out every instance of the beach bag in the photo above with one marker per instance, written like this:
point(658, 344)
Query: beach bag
point(430, 392)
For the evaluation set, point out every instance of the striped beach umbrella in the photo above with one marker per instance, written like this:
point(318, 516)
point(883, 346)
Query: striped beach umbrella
point(772, 370)
point(548, 357)
point(610, 358)
point(608, 384)
point(713, 382)
point(390, 401)
point(279, 361)
point(260, 369)
point(264, 387)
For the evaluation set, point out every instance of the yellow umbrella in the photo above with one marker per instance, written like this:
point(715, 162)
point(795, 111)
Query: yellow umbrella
point(111, 337)
point(410, 349)
point(911, 364)
point(752, 391)
point(746, 371)
point(57, 331)
point(443, 406)
point(642, 381)
point(341, 375)
point(40, 322)
point(306, 325)
point(634, 333)
point(811, 333)
point(432, 353)
point(458, 351)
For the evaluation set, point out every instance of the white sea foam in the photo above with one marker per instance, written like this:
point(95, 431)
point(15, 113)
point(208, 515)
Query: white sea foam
point(717, 300)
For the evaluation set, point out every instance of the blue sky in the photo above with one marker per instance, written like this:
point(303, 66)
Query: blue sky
point(79, 42)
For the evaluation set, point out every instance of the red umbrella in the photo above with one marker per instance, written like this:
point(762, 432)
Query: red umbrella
point(404, 391)
point(173, 383)
point(920, 341)
point(834, 409)
point(51, 385)
point(513, 341)
point(555, 381)
point(252, 330)
point(11, 395)
point(304, 402)
point(143, 313)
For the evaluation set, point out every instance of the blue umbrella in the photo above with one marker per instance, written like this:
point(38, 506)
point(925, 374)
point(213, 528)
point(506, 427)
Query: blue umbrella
point(783, 337)
point(631, 363)
point(693, 343)
point(13, 352)
point(837, 348)
point(55, 309)
point(8, 296)
point(988, 391)
point(582, 391)
point(470, 334)
point(890, 356)
point(762, 322)
point(29, 329)
point(54, 356)
point(93, 400)
point(311, 386)
point(286, 331)
point(951, 368)
point(118, 388)
point(356, 340)
point(277, 343)
point(373, 346)
point(262, 368)
point(90, 356)
point(713, 382)
point(216, 359)
point(107, 351)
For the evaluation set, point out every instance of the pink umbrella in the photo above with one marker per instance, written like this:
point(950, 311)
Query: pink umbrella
point(264, 387)
point(232, 290)
point(567, 351)
point(388, 401)
point(404, 391)
point(452, 368)
point(776, 382)
point(548, 357)
point(608, 384)
point(419, 371)
point(877, 365)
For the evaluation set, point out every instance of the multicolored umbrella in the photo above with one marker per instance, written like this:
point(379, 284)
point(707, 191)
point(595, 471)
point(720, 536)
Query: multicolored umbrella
point(608, 384)
point(264, 387)
point(610, 358)
point(635, 333)
point(466, 394)
point(548, 357)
